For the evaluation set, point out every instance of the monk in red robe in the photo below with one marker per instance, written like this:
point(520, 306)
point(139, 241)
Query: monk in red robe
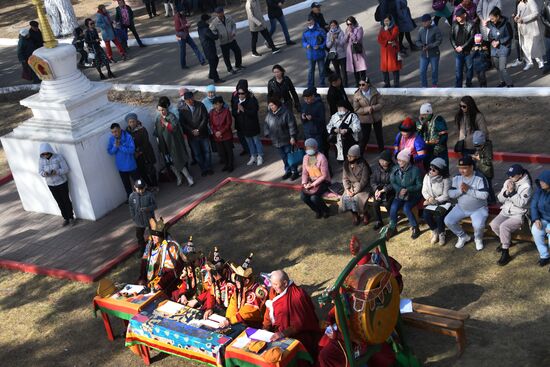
point(290, 313)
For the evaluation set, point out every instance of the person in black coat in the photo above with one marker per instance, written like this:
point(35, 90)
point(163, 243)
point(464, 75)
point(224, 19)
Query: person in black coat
point(281, 86)
point(313, 119)
point(127, 22)
point(25, 48)
point(336, 93)
point(35, 34)
point(244, 109)
point(208, 43)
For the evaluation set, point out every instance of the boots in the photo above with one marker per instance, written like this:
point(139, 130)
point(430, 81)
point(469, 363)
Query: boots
point(415, 232)
point(504, 257)
point(102, 76)
point(188, 176)
point(435, 238)
point(178, 175)
point(442, 239)
point(392, 230)
point(110, 74)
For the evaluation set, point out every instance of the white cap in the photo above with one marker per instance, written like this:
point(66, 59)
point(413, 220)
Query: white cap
point(426, 109)
point(24, 32)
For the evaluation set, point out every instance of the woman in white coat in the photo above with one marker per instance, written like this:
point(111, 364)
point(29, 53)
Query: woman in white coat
point(343, 129)
point(530, 33)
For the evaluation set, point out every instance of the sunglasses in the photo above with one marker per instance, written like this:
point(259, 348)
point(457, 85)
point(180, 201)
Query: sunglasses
point(362, 84)
point(433, 169)
point(241, 94)
point(463, 106)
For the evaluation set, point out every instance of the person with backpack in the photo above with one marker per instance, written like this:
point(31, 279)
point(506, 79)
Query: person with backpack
point(514, 198)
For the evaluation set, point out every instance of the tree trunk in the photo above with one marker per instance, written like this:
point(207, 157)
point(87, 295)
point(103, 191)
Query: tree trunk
point(62, 17)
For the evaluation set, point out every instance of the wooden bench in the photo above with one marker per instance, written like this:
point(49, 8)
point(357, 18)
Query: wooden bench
point(439, 320)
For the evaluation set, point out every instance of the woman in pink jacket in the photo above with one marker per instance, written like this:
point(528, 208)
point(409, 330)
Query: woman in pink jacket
point(355, 52)
point(315, 179)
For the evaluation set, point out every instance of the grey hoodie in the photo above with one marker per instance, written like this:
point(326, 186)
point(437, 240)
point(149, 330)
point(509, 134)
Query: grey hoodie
point(55, 169)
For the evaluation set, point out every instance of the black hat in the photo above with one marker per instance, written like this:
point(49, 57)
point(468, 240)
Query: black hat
point(386, 155)
point(460, 12)
point(426, 18)
point(139, 184)
point(188, 95)
point(205, 17)
point(219, 9)
point(217, 99)
point(315, 5)
point(465, 161)
point(309, 92)
point(515, 169)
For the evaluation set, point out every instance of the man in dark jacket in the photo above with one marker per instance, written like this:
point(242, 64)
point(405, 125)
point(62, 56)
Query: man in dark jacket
point(208, 43)
point(275, 14)
point(462, 40)
point(313, 119)
point(125, 16)
point(381, 186)
point(318, 16)
point(545, 17)
point(142, 207)
point(428, 40)
point(336, 92)
point(25, 48)
point(35, 34)
point(194, 120)
point(500, 36)
point(144, 154)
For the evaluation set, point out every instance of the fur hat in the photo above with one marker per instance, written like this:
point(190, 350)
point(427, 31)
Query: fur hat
point(404, 155)
point(158, 228)
point(354, 151)
point(426, 109)
point(438, 163)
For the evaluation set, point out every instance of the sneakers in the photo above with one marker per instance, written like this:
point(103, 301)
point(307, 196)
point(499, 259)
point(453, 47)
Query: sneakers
point(462, 241)
point(540, 63)
point(442, 239)
point(528, 66)
point(479, 244)
point(415, 233)
point(294, 176)
point(290, 43)
point(544, 262)
point(516, 63)
point(65, 223)
point(251, 161)
point(260, 160)
point(434, 238)
point(286, 175)
point(275, 50)
point(255, 54)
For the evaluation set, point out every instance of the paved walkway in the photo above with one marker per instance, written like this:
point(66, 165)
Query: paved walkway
point(37, 242)
point(159, 64)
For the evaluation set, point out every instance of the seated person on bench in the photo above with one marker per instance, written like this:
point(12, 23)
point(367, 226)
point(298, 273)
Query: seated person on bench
point(540, 215)
point(407, 184)
point(514, 197)
point(471, 190)
point(355, 179)
point(381, 187)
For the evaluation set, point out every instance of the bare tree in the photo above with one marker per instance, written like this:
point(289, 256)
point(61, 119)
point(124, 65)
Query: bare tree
point(62, 16)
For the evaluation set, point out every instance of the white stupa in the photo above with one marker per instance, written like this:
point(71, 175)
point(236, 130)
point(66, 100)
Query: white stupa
point(74, 115)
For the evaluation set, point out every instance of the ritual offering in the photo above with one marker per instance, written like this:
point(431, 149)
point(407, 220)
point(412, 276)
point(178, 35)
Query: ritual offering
point(372, 295)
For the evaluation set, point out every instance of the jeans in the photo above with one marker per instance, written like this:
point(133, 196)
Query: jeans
point(378, 203)
point(315, 201)
point(183, 50)
point(461, 61)
point(540, 236)
point(61, 195)
point(283, 153)
point(265, 35)
point(434, 221)
point(500, 65)
point(407, 206)
point(201, 150)
point(424, 62)
point(242, 140)
point(282, 21)
point(311, 73)
point(133, 29)
point(365, 135)
point(255, 146)
point(479, 217)
point(232, 46)
point(125, 177)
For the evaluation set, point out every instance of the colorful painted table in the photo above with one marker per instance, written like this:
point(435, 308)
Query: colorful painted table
point(293, 351)
point(173, 335)
point(122, 307)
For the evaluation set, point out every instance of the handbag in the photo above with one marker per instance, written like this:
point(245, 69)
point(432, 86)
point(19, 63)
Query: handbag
point(332, 55)
point(295, 157)
point(438, 5)
point(357, 48)
point(91, 56)
point(459, 146)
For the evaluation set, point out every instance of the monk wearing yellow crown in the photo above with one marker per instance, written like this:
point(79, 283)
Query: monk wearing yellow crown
point(247, 304)
point(162, 261)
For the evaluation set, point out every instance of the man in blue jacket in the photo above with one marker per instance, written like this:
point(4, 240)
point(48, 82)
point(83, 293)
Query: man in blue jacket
point(540, 216)
point(121, 145)
point(313, 40)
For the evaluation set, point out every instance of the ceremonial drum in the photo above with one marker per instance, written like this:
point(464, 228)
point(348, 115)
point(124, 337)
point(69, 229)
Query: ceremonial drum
point(372, 296)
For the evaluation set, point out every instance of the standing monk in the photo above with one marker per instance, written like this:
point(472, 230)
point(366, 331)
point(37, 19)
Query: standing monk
point(290, 313)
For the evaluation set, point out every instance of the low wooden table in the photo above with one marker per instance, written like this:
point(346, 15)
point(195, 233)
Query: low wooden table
point(123, 308)
point(173, 335)
point(293, 351)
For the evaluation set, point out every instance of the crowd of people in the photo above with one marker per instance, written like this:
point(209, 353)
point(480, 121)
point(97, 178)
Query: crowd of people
point(480, 35)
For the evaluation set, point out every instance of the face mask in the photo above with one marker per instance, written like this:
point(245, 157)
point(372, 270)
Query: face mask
point(310, 26)
point(341, 113)
point(310, 151)
point(242, 100)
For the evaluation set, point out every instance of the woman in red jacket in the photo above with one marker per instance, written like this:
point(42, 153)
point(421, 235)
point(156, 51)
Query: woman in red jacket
point(388, 38)
point(220, 124)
